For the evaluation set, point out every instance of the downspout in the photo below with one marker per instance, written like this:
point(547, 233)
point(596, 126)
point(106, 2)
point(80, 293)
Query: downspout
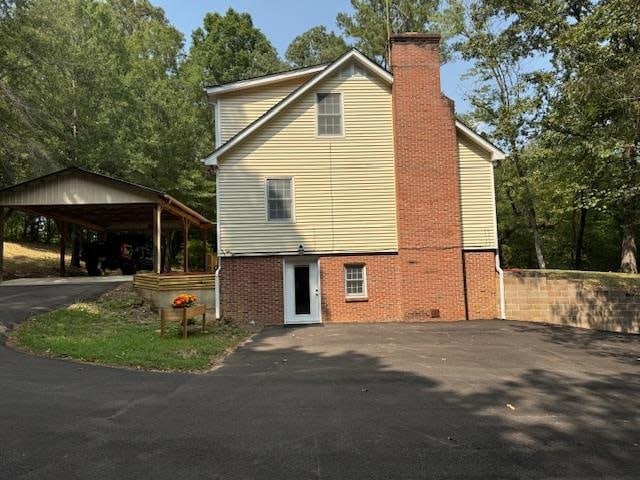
point(219, 250)
point(465, 287)
point(503, 307)
point(503, 303)
point(217, 288)
point(215, 106)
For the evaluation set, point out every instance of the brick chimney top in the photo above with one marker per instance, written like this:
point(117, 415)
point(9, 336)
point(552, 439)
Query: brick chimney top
point(416, 37)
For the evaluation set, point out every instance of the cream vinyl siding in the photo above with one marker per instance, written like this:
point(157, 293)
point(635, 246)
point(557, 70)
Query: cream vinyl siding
point(478, 201)
point(240, 109)
point(343, 187)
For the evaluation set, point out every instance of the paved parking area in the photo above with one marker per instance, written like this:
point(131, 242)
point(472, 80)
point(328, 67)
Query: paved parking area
point(46, 281)
point(18, 302)
point(461, 400)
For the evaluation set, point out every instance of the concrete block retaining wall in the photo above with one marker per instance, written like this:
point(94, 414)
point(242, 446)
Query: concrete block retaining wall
point(598, 301)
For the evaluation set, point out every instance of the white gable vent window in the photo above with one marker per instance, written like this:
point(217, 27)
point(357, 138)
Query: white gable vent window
point(353, 70)
point(279, 200)
point(329, 107)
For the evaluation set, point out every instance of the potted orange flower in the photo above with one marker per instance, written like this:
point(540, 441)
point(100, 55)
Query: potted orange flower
point(185, 303)
point(184, 300)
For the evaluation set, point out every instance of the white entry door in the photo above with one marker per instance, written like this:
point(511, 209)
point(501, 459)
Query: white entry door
point(301, 291)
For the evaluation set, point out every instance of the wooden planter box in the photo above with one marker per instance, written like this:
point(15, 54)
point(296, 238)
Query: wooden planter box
point(182, 315)
point(161, 289)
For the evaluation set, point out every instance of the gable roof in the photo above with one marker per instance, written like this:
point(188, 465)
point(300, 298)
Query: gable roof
point(213, 91)
point(324, 72)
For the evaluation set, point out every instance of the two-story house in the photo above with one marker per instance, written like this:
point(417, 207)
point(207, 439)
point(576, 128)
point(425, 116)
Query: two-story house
point(346, 193)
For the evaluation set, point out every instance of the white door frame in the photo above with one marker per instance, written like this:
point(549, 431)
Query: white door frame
point(289, 317)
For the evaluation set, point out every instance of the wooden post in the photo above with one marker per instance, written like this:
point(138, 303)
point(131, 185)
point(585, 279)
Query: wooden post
point(2, 222)
point(184, 322)
point(157, 238)
point(62, 227)
point(185, 259)
point(205, 238)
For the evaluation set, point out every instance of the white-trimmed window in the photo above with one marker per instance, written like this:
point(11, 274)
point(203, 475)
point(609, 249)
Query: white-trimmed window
point(329, 108)
point(279, 199)
point(355, 281)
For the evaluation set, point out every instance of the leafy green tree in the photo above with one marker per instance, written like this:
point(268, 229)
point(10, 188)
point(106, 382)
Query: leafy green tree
point(229, 48)
point(599, 103)
point(589, 101)
point(24, 122)
point(164, 132)
point(373, 20)
point(315, 46)
point(505, 101)
point(97, 85)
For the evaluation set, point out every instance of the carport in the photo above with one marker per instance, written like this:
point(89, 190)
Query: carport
point(102, 204)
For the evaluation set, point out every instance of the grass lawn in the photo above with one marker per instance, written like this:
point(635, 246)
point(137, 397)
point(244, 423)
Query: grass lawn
point(595, 279)
point(121, 329)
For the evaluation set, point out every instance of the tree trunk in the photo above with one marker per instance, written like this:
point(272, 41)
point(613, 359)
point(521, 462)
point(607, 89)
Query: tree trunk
point(26, 221)
point(629, 261)
point(75, 246)
point(48, 234)
point(529, 208)
point(33, 229)
point(537, 239)
point(168, 251)
point(580, 238)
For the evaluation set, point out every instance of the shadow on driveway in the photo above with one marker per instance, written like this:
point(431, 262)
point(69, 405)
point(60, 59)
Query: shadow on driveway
point(463, 400)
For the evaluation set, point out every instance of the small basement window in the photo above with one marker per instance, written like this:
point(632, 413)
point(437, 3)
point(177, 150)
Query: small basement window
point(355, 281)
point(279, 200)
point(329, 111)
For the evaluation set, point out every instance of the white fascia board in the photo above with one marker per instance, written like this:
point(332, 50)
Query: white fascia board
point(496, 153)
point(373, 67)
point(213, 92)
point(212, 159)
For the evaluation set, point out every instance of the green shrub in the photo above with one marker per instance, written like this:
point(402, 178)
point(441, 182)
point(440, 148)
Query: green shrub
point(196, 256)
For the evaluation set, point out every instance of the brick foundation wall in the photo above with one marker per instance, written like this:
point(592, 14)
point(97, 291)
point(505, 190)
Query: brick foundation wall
point(251, 290)
point(585, 301)
point(383, 291)
point(482, 284)
point(427, 183)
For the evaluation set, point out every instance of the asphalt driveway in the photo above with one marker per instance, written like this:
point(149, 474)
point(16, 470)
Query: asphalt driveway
point(22, 301)
point(466, 400)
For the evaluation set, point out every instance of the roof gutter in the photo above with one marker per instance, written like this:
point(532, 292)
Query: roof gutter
point(181, 206)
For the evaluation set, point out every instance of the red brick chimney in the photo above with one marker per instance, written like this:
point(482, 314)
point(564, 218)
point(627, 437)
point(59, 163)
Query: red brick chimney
point(427, 183)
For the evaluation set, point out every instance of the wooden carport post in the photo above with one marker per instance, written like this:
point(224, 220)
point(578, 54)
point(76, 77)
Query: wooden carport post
point(157, 238)
point(185, 229)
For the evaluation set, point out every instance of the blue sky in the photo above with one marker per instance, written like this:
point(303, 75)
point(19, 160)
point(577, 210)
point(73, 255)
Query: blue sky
point(282, 20)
